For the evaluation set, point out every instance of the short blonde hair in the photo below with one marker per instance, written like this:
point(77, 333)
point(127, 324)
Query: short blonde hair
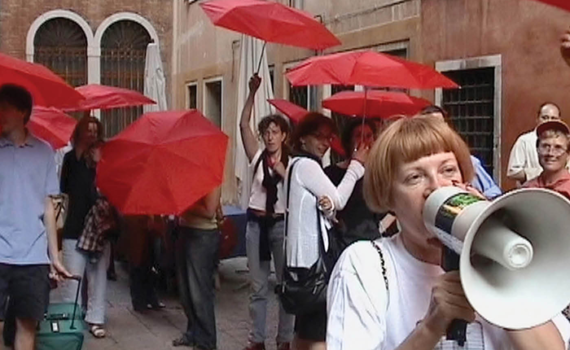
point(407, 140)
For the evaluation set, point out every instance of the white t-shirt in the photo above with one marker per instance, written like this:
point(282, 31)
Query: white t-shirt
point(362, 316)
point(258, 192)
point(309, 183)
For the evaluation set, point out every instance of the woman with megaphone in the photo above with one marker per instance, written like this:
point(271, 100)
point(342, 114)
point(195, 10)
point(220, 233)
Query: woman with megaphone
point(392, 293)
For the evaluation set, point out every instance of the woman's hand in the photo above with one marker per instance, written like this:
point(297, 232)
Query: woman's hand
point(96, 154)
point(327, 207)
point(279, 168)
point(361, 153)
point(448, 302)
point(254, 83)
point(472, 190)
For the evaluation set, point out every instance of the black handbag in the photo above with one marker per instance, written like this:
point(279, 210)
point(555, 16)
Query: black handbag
point(303, 290)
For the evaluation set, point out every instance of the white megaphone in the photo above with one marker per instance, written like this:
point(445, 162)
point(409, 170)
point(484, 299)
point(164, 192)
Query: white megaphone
point(514, 251)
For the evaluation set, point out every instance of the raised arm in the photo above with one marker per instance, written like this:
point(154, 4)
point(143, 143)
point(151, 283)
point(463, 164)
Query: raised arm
point(248, 138)
point(317, 182)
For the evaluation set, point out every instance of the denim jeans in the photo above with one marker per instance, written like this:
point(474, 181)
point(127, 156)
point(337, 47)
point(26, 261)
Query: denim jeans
point(77, 263)
point(259, 274)
point(196, 253)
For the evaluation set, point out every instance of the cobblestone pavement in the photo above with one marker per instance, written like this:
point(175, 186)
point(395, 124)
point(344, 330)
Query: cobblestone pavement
point(155, 330)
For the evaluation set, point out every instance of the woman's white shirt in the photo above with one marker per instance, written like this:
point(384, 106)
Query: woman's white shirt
point(309, 183)
point(258, 194)
point(363, 315)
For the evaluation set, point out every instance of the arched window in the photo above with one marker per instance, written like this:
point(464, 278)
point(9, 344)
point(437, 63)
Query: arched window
point(123, 54)
point(60, 44)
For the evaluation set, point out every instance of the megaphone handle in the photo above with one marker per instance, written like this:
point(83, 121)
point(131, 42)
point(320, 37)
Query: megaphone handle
point(458, 328)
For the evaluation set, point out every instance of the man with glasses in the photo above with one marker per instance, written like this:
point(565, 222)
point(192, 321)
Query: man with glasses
point(523, 162)
point(552, 149)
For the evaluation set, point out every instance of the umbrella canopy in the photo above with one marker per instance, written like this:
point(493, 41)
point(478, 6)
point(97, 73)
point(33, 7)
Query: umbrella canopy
point(162, 163)
point(368, 68)
point(108, 97)
point(291, 110)
point(52, 126)
point(270, 21)
point(374, 103)
point(47, 88)
point(563, 4)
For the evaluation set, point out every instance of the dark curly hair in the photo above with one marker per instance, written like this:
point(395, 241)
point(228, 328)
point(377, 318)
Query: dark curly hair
point(277, 120)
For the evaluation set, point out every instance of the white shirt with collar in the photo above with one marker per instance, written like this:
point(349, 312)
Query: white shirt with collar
point(524, 156)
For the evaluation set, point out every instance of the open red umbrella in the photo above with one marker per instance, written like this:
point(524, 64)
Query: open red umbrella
point(291, 110)
point(368, 68)
point(47, 88)
point(270, 21)
point(374, 103)
point(52, 126)
point(162, 163)
point(108, 97)
point(563, 4)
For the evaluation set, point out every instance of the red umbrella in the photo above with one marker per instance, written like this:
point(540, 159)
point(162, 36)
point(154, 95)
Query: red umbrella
point(47, 88)
point(270, 21)
point(374, 103)
point(368, 68)
point(162, 163)
point(108, 97)
point(52, 126)
point(291, 110)
point(563, 4)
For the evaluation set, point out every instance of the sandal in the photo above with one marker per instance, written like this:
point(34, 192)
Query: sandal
point(97, 331)
point(183, 341)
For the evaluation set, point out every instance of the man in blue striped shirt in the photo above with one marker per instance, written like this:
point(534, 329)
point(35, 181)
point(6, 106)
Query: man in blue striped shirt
point(482, 181)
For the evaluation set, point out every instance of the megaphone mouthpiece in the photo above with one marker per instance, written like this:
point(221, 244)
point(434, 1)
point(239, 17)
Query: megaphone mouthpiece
point(498, 243)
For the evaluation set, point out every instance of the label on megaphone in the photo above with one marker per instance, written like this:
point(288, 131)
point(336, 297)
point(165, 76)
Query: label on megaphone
point(441, 210)
point(446, 216)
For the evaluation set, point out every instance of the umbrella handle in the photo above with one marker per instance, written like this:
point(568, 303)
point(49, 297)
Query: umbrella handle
point(364, 114)
point(261, 58)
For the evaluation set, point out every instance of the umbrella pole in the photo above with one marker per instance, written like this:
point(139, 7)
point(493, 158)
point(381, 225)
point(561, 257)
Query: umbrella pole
point(261, 58)
point(364, 114)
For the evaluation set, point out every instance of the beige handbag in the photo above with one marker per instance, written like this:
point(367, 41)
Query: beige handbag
point(60, 205)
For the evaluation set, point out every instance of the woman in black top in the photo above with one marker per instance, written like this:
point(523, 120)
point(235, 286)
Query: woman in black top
point(356, 222)
point(78, 182)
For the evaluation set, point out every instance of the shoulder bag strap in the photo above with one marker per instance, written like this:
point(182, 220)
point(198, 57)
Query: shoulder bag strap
point(289, 176)
point(383, 263)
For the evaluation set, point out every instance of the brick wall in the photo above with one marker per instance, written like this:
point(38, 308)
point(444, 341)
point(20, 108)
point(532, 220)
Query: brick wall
point(16, 17)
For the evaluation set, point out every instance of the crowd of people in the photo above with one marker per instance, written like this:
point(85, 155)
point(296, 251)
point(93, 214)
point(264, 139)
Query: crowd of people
point(353, 230)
